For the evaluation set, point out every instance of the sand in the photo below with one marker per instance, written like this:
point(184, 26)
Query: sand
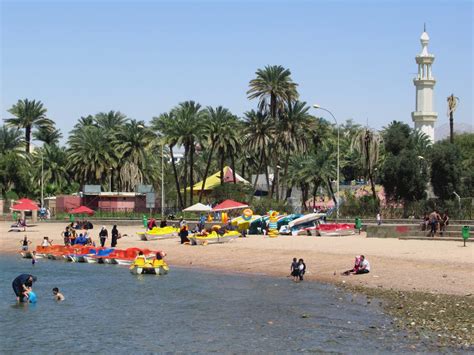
point(442, 267)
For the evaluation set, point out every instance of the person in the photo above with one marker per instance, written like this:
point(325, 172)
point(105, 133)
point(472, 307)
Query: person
point(24, 243)
point(58, 296)
point(301, 269)
point(355, 268)
point(425, 222)
point(22, 285)
point(140, 260)
point(163, 223)
point(158, 261)
point(444, 222)
point(433, 220)
point(364, 266)
point(183, 233)
point(151, 223)
point(67, 236)
point(103, 234)
point(46, 242)
point(33, 258)
point(48, 213)
point(115, 236)
point(295, 272)
point(379, 218)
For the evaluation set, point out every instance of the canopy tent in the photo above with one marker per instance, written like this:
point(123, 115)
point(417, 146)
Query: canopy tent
point(198, 207)
point(25, 206)
point(229, 205)
point(215, 180)
point(82, 210)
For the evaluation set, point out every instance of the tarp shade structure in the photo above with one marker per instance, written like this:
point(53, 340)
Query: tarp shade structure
point(82, 210)
point(198, 207)
point(215, 180)
point(229, 205)
point(25, 206)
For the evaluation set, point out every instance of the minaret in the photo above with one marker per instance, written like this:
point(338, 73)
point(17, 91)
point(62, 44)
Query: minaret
point(424, 116)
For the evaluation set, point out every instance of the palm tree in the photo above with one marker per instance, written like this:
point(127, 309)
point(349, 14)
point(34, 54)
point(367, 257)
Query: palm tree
point(273, 87)
point(10, 140)
point(133, 142)
point(55, 167)
point(28, 115)
point(48, 135)
point(189, 117)
point(111, 120)
point(295, 131)
point(90, 156)
point(367, 144)
point(169, 130)
point(258, 137)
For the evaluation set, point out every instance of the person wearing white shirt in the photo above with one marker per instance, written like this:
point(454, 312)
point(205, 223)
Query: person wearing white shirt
point(364, 266)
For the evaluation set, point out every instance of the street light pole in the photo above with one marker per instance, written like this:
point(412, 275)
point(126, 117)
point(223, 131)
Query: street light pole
point(338, 169)
point(42, 180)
point(162, 182)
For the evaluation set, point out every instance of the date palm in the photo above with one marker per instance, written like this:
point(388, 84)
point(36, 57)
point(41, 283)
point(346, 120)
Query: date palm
point(49, 136)
point(10, 140)
point(28, 115)
point(273, 87)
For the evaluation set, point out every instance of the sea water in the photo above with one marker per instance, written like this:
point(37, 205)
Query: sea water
point(109, 310)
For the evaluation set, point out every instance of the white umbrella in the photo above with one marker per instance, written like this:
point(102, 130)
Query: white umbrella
point(198, 207)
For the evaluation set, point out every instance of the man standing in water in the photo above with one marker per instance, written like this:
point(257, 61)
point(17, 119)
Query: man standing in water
point(22, 285)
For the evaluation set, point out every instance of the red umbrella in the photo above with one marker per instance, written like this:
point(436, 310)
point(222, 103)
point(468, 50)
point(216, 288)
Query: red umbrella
point(82, 210)
point(24, 199)
point(25, 206)
point(229, 205)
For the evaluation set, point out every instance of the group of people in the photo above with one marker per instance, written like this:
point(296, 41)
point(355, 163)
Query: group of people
point(361, 266)
point(23, 288)
point(297, 269)
point(435, 222)
point(71, 237)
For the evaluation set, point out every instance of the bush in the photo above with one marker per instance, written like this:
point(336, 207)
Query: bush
point(264, 204)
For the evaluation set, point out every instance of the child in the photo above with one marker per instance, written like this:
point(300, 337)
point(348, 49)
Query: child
point(295, 272)
point(301, 268)
point(33, 258)
point(58, 296)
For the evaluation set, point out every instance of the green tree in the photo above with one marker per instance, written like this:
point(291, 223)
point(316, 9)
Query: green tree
point(465, 144)
point(10, 140)
point(28, 115)
point(48, 135)
point(445, 169)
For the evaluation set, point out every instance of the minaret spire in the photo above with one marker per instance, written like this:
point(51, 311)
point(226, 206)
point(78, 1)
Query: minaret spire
point(425, 116)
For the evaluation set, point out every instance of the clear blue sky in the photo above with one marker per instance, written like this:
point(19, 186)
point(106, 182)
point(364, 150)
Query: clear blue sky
point(355, 58)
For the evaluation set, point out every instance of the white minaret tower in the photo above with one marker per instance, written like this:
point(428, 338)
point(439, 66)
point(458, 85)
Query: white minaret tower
point(424, 116)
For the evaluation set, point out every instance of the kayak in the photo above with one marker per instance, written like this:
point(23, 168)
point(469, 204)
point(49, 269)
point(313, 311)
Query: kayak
point(213, 238)
point(159, 233)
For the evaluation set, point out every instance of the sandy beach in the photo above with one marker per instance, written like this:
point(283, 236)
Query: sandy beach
point(442, 267)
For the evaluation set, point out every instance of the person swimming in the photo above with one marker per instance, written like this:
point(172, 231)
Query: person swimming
point(58, 296)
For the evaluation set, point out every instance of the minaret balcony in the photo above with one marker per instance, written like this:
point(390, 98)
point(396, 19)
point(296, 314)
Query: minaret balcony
point(420, 82)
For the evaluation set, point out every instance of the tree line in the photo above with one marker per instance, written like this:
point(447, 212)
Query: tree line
point(280, 138)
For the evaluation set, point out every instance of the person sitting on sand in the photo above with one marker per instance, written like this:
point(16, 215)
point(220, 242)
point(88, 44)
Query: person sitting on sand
point(364, 267)
point(183, 234)
point(67, 236)
point(46, 242)
point(295, 271)
point(163, 223)
point(355, 268)
point(58, 296)
point(24, 243)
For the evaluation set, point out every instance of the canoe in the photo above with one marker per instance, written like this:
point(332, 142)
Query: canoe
point(149, 270)
point(214, 238)
point(159, 233)
point(309, 218)
point(126, 262)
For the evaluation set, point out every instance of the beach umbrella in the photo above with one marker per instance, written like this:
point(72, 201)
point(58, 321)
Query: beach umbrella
point(82, 210)
point(25, 206)
point(229, 205)
point(27, 200)
point(198, 207)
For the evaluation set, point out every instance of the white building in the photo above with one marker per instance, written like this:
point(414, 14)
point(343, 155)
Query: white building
point(425, 116)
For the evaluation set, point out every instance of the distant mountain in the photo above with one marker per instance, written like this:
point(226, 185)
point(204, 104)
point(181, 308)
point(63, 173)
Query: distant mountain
point(442, 132)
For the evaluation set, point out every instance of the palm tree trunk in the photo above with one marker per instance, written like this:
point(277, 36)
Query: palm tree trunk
point(186, 153)
point(209, 159)
point(191, 180)
point(331, 191)
point(266, 172)
point(242, 171)
point(176, 177)
point(232, 161)
point(372, 186)
point(28, 138)
point(222, 167)
point(285, 176)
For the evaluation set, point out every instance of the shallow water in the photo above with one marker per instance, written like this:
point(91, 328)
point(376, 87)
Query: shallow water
point(107, 310)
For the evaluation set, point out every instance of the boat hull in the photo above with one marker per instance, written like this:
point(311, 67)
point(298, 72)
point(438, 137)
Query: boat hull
point(213, 240)
point(149, 270)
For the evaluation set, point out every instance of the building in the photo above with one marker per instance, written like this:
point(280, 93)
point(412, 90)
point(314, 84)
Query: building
point(425, 117)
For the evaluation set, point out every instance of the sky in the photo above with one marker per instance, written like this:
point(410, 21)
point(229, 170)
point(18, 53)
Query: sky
point(354, 58)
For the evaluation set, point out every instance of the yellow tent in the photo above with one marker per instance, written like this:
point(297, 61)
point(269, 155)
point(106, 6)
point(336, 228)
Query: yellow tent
point(215, 180)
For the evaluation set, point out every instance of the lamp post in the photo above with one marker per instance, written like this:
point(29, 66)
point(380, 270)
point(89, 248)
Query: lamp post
point(42, 174)
point(337, 125)
point(162, 181)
